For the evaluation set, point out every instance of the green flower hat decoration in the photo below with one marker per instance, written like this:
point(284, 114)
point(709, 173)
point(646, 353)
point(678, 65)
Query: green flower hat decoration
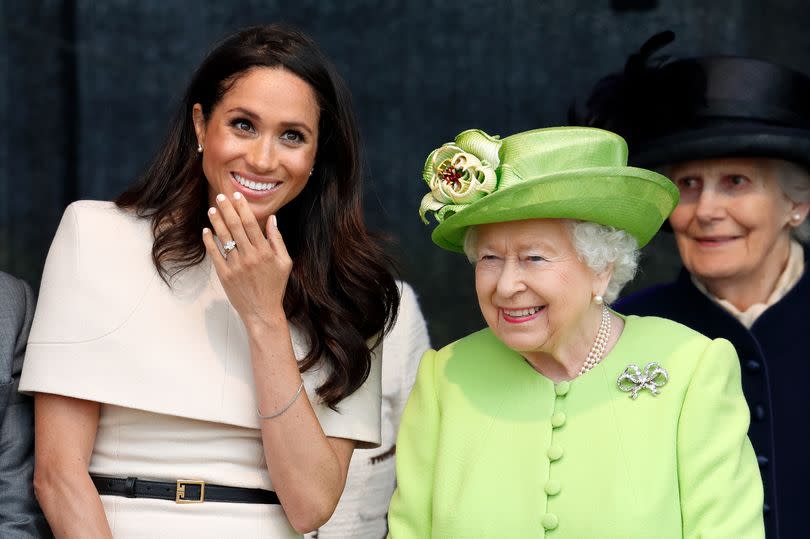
point(459, 173)
point(553, 173)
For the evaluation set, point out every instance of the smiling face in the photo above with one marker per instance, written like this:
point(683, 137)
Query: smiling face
point(534, 292)
point(733, 220)
point(260, 139)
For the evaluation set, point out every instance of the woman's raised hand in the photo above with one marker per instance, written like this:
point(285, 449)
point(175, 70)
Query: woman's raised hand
point(254, 273)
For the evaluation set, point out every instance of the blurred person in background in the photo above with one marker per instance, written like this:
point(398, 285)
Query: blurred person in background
point(20, 516)
point(362, 510)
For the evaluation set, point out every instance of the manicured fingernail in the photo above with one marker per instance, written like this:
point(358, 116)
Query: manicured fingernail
point(206, 231)
point(220, 197)
point(212, 211)
point(237, 195)
point(273, 220)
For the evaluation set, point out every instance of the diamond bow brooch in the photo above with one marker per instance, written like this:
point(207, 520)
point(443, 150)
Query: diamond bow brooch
point(633, 379)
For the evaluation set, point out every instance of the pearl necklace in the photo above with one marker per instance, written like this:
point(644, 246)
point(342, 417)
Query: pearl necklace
point(599, 345)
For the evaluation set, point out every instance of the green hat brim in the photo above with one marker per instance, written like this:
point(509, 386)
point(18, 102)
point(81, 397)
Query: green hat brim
point(632, 199)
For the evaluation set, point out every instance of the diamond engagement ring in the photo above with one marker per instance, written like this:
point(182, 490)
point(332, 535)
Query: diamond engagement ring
point(228, 247)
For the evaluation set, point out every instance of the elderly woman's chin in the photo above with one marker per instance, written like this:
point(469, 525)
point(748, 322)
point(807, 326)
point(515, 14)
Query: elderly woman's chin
point(715, 262)
point(526, 337)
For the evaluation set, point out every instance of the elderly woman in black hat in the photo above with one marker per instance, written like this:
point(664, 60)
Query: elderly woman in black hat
point(733, 134)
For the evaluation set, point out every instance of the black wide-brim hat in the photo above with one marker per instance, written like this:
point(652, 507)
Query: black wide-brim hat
point(671, 111)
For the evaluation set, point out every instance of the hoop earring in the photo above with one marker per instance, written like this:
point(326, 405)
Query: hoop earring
point(599, 300)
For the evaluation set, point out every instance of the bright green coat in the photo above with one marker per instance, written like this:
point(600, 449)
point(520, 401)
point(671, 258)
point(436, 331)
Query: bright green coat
point(489, 448)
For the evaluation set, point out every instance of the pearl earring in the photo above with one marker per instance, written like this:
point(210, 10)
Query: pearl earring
point(796, 216)
point(599, 300)
point(311, 171)
point(199, 148)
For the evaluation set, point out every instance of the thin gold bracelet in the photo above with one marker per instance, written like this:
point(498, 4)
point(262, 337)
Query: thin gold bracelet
point(286, 406)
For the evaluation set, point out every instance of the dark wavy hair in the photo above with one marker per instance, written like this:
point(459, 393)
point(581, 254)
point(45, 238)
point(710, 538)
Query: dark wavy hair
point(340, 293)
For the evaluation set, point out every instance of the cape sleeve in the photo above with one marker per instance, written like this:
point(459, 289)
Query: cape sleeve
point(720, 485)
point(358, 415)
point(85, 297)
point(407, 342)
point(410, 513)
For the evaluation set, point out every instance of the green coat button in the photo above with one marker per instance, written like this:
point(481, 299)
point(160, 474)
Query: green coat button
point(562, 388)
point(550, 521)
point(552, 487)
point(554, 452)
point(558, 419)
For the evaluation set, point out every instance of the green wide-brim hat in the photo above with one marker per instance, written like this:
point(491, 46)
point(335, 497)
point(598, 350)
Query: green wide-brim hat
point(560, 172)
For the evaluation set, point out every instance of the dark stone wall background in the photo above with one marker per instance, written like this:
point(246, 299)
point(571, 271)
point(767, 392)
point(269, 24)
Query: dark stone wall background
point(87, 87)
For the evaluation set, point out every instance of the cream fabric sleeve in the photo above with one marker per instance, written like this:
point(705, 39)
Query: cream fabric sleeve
point(358, 415)
point(719, 480)
point(82, 296)
point(405, 346)
point(410, 512)
point(362, 509)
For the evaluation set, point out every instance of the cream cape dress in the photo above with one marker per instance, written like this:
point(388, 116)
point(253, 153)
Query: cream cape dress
point(172, 370)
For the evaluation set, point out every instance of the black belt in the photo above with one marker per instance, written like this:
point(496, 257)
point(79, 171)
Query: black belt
point(181, 491)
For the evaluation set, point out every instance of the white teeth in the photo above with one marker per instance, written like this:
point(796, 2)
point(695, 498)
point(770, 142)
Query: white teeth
point(256, 186)
point(522, 312)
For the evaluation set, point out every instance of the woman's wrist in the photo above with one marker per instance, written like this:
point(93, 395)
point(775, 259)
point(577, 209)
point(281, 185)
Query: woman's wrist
point(264, 323)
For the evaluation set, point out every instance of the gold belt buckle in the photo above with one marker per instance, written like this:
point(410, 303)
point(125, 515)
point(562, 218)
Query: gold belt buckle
point(180, 496)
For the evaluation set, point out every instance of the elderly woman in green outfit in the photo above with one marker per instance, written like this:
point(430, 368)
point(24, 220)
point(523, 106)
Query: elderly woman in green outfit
point(563, 418)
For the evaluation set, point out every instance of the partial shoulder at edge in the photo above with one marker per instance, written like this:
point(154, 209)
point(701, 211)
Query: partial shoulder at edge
point(12, 285)
point(408, 304)
point(101, 211)
point(104, 228)
point(98, 268)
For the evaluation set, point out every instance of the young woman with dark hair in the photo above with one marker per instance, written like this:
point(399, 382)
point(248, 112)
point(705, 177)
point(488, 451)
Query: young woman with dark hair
point(213, 336)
